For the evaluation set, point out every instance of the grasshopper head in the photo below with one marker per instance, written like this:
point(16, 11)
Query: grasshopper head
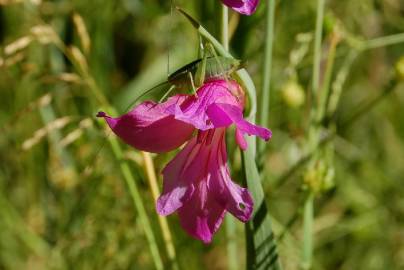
point(235, 64)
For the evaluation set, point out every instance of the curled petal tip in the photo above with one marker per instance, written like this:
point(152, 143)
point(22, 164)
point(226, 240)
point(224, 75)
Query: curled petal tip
point(268, 135)
point(101, 114)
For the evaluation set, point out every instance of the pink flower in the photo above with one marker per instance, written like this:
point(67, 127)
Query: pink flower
point(246, 7)
point(197, 182)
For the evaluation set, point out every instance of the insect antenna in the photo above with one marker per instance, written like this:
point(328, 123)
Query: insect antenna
point(109, 132)
point(144, 94)
point(168, 42)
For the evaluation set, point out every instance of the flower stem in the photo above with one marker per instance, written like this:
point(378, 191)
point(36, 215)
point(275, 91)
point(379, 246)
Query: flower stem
point(317, 48)
point(167, 237)
point(230, 222)
point(308, 232)
point(325, 90)
point(313, 137)
point(267, 69)
point(137, 201)
point(225, 27)
point(383, 41)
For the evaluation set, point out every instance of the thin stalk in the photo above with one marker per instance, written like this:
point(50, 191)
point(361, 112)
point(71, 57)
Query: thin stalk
point(229, 221)
point(137, 201)
point(317, 48)
point(165, 229)
point(313, 136)
point(383, 41)
point(48, 115)
point(325, 91)
point(225, 27)
point(267, 69)
point(308, 232)
point(339, 82)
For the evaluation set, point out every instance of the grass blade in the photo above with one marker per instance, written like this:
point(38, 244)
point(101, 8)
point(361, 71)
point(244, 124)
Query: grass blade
point(267, 70)
point(261, 247)
point(137, 201)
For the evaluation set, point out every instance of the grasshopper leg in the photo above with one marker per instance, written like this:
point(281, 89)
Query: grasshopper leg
point(192, 84)
point(172, 87)
point(200, 73)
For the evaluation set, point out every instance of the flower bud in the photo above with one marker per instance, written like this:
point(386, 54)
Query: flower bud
point(319, 177)
point(293, 94)
point(400, 68)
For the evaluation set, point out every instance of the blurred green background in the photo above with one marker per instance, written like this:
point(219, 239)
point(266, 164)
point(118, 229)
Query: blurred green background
point(63, 201)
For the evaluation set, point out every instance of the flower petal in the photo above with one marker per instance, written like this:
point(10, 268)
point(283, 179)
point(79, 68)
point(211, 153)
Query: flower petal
point(246, 7)
point(222, 114)
point(240, 140)
point(201, 216)
point(149, 128)
point(180, 174)
point(235, 199)
point(197, 183)
point(194, 109)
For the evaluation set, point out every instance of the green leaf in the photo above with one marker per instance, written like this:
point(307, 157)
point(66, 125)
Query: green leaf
point(261, 246)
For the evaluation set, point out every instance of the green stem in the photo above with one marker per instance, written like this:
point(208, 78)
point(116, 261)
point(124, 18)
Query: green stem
point(230, 222)
point(137, 201)
point(339, 82)
point(317, 48)
point(313, 136)
point(308, 232)
point(383, 41)
point(267, 70)
point(225, 27)
point(165, 229)
point(325, 91)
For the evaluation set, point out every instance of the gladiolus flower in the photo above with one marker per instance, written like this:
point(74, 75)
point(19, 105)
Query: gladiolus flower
point(246, 7)
point(196, 183)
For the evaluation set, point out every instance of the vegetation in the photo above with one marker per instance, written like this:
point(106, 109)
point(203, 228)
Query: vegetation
point(74, 197)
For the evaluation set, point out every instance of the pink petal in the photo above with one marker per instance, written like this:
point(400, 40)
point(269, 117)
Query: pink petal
point(197, 183)
point(246, 7)
point(240, 140)
point(235, 199)
point(222, 114)
point(193, 109)
point(201, 216)
point(179, 177)
point(149, 128)
point(185, 189)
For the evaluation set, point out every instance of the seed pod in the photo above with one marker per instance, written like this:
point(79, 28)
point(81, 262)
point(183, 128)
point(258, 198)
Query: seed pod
point(400, 68)
point(293, 94)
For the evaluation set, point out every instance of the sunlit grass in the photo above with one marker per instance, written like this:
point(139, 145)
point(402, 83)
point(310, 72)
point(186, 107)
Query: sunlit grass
point(69, 200)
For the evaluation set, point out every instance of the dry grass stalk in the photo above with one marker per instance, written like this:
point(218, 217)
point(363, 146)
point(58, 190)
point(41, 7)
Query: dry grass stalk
point(75, 134)
point(41, 133)
point(17, 45)
point(82, 33)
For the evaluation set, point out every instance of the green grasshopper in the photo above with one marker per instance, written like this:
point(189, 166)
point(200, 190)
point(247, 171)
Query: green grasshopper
point(202, 70)
point(196, 73)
